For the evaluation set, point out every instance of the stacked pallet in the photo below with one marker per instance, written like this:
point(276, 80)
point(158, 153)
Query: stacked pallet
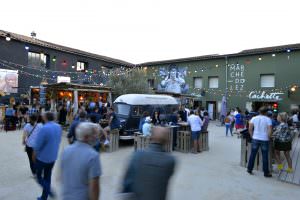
point(114, 140)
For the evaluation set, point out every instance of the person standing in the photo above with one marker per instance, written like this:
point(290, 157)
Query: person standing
point(45, 152)
point(147, 127)
point(142, 120)
point(30, 134)
point(228, 121)
point(239, 122)
point(283, 142)
point(260, 129)
point(195, 122)
point(173, 120)
point(205, 121)
point(80, 165)
point(156, 118)
point(148, 174)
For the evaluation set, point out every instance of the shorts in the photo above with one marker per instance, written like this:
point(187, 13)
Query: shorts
point(195, 135)
point(239, 126)
point(282, 146)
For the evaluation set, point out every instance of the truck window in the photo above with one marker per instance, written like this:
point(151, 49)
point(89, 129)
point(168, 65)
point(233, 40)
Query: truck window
point(122, 109)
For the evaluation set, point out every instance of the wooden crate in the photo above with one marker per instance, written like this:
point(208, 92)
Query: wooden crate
point(204, 142)
point(258, 163)
point(184, 141)
point(168, 147)
point(114, 140)
point(141, 142)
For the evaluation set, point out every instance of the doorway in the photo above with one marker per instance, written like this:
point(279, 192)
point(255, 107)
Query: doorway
point(211, 109)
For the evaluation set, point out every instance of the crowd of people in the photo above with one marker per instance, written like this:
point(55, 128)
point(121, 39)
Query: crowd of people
point(81, 167)
point(197, 119)
point(263, 129)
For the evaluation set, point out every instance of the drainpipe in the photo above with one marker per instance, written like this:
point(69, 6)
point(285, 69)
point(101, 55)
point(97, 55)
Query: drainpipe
point(226, 77)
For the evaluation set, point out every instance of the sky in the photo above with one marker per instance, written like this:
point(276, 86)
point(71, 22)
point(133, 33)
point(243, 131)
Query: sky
point(139, 31)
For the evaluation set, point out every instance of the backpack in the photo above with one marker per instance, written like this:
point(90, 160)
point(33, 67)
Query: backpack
point(227, 120)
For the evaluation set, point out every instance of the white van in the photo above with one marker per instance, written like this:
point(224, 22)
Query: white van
point(130, 107)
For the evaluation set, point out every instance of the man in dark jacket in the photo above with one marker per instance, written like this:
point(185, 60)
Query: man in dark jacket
point(149, 171)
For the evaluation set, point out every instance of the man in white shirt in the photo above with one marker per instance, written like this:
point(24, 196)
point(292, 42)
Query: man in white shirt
point(260, 129)
point(196, 123)
point(295, 117)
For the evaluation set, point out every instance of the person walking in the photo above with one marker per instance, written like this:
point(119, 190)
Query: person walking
point(283, 142)
point(260, 129)
point(80, 165)
point(30, 134)
point(45, 152)
point(71, 135)
point(195, 122)
point(148, 174)
point(228, 121)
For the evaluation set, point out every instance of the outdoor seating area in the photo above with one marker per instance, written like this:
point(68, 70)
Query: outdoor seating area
point(183, 140)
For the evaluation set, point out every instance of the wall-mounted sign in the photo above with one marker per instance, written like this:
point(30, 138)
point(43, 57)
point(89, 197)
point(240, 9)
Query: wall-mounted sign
point(236, 77)
point(263, 95)
point(63, 79)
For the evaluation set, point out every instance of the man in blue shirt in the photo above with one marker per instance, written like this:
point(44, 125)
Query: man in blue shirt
point(71, 135)
point(80, 165)
point(45, 153)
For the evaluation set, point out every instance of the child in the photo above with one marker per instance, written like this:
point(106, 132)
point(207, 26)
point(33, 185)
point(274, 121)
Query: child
point(228, 121)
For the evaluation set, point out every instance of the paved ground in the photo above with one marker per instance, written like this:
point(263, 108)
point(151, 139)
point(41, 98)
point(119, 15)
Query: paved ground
point(210, 175)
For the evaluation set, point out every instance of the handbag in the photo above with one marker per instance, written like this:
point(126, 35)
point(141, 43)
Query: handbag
point(30, 135)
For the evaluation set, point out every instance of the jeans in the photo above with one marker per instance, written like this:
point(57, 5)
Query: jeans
point(228, 127)
point(29, 151)
point(264, 145)
point(44, 169)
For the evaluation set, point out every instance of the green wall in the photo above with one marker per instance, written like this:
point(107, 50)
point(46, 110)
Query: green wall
point(285, 66)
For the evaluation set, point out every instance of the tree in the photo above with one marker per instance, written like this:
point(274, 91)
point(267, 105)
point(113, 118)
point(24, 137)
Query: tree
point(133, 82)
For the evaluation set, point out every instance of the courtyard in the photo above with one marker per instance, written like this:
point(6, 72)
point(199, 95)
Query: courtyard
point(214, 174)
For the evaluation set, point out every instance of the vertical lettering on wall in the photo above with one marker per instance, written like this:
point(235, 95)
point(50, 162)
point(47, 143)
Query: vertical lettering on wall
point(236, 78)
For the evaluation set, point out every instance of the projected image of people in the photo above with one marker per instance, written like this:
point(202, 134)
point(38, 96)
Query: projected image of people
point(8, 82)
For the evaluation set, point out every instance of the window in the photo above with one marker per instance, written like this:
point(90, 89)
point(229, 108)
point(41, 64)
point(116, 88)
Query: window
point(213, 82)
point(198, 82)
point(151, 83)
point(122, 109)
point(267, 80)
point(81, 66)
point(38, 59)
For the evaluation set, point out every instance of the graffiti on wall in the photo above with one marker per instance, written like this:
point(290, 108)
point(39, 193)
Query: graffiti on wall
point(173, 79)
point(236, 77)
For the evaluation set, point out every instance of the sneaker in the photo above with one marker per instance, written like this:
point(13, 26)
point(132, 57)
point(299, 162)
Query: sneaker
point(280, 167)
point(250, 172)
point(268, 175)
point(289, 170)
point(106, 142)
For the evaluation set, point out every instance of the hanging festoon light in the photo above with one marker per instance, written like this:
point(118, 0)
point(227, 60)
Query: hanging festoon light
point(8, 37)
point(26, 47)
point(54, 59)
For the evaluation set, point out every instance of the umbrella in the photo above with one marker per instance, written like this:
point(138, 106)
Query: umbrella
point(224, 106)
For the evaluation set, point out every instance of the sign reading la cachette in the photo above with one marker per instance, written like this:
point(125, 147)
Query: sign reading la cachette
point(263, 95)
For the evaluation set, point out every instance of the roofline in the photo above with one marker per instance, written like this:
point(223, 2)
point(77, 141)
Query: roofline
point(247, 52)
point(42, 43)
